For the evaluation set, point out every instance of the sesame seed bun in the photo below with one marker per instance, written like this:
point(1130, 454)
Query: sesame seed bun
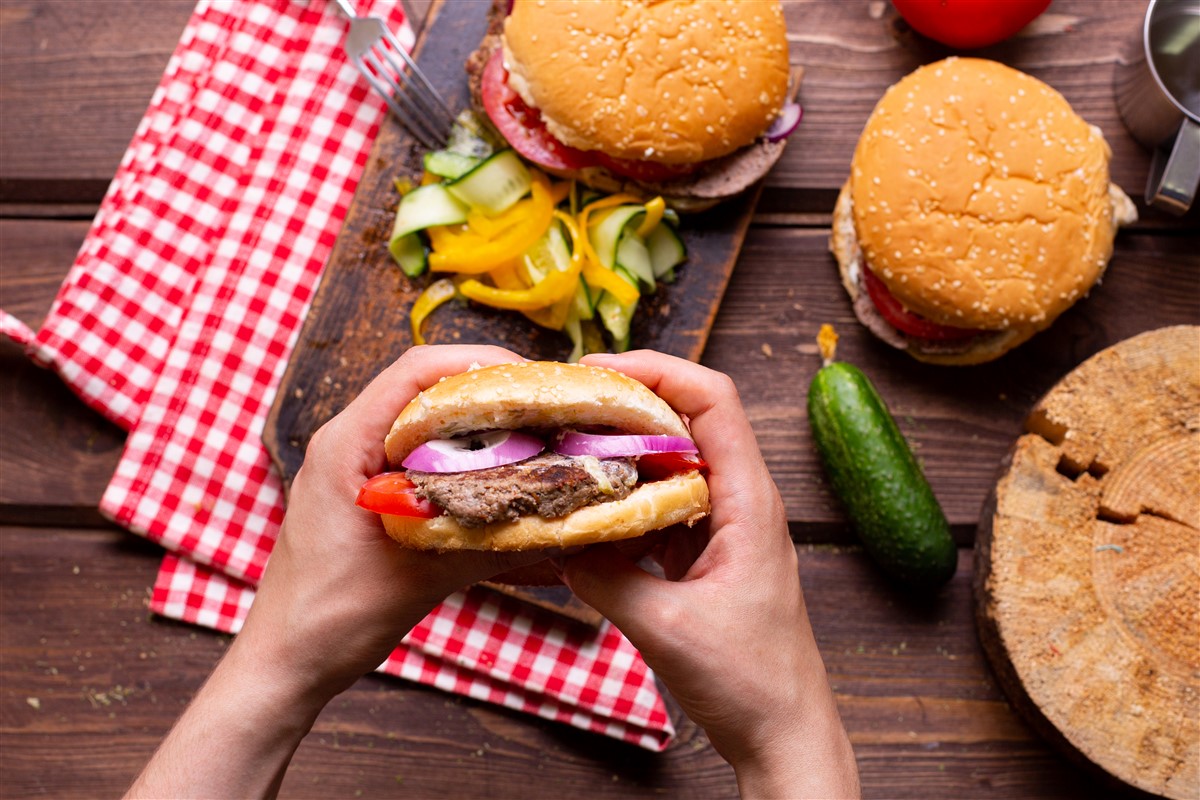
point(676, 82)
point(544, 395)
point(529, 394)
point(981, 200)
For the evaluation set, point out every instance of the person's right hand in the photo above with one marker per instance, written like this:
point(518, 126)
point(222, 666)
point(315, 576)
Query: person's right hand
point(727, 630)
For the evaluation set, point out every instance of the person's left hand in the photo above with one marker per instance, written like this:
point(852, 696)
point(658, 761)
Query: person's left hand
point(338, 594)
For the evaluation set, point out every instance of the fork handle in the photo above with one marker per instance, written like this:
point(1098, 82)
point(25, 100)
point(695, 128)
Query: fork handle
point(347, 8)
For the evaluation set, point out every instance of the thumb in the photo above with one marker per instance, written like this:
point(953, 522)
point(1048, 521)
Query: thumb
point(604, 578)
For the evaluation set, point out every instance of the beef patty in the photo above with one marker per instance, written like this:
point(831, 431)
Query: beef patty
point(550, 485)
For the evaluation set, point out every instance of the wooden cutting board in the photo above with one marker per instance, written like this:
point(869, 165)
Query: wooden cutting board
point(1088, 564)
point(359, 319)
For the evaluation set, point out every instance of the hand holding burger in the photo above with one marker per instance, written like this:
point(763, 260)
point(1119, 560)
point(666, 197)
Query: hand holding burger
point(338, 594)
point(536, 455)
point(978, 209)
point(725, 626)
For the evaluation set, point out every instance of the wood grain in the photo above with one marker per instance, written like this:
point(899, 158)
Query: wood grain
point(926, 715)
point(77, 78)
point(90, 682)
point(1087, 560)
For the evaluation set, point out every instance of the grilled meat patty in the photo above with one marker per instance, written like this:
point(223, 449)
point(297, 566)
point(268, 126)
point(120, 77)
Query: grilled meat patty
point(550, 485)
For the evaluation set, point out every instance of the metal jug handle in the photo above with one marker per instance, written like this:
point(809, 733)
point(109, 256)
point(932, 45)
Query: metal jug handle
point(1175, 175)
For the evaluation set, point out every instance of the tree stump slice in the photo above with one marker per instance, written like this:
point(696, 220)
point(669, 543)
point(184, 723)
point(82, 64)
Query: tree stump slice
point(1087, 578)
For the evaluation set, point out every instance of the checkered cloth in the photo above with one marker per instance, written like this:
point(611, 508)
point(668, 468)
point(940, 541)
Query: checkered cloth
point(178, 317)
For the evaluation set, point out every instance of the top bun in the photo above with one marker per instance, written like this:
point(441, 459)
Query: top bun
point(672, 81)
point(980, 198)
point(529, 394)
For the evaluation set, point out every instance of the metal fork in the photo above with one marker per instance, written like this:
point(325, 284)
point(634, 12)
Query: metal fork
point(387, 67)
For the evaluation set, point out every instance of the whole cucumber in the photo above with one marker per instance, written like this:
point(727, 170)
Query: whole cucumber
point(874, 474)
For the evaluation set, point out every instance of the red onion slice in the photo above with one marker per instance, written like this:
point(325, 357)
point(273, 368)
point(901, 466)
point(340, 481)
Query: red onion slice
point(477, 451)
point(785, 123)
point(573, 443)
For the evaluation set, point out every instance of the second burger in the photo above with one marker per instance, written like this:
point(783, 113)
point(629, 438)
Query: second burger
point(978, 209)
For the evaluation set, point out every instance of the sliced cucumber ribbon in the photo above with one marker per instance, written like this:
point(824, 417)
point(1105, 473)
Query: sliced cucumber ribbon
point(512, 239)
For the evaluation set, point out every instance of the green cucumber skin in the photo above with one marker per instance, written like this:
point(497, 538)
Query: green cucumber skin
point(877, 478)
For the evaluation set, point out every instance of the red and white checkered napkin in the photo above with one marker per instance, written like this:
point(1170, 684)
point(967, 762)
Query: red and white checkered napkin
point(178, 316)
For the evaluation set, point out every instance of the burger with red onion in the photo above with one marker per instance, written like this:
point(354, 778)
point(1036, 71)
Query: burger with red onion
point(687, 99)
point(535, 455)
point(978, 209)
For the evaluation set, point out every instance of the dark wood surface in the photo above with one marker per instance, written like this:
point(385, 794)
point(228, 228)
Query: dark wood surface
point(89, 681)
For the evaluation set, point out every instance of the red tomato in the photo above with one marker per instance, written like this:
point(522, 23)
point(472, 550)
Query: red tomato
point(521, 125)
point(969, 23)
point(657, 466)
point(393, 493)
point(904, 320)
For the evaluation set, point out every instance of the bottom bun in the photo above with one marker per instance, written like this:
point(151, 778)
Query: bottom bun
point(649, 507)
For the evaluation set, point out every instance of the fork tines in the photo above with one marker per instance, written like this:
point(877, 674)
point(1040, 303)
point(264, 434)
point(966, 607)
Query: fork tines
point(381, 59)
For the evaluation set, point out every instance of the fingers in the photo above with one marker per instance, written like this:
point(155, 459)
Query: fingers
point(708, 398)
point(604, 578)
point(378, 405)
point(357, 433)
point(738, 476)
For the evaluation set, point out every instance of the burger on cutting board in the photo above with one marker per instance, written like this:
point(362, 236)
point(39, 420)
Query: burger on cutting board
point(678, 98)
point(978, 209)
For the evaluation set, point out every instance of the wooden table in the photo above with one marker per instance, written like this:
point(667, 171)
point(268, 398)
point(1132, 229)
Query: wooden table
point(90, 681)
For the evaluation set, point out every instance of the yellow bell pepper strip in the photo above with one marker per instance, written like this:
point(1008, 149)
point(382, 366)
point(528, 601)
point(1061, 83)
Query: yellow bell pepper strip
point(554, 316)
point(547, 291)
point(444, 237)
point(509, 245)
point(558, 287)
point(604, 278)
point(595, 273)
point(560, 190)
point(507, 276)
point(577, 238)
point(490, 227)
point(654, 215)
point(435, 295)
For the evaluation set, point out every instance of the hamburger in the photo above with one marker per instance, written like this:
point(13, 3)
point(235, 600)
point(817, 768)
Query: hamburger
point(536, 455)
point(978, 209)
point(674, 98)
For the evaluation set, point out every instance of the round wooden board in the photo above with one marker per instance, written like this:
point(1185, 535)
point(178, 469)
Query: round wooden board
point(1088, 564)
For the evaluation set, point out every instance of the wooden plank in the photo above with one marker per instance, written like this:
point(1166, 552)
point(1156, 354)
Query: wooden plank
point(764, 337)
point(36, 255)
point(90, 683)
point(1150, 283)
point(77, 78)
point(57, 455)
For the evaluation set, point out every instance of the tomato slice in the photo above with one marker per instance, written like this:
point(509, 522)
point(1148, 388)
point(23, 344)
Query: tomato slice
point(904, 320)
point(393, 493)
point(524, 129)
point(521, 125)
point(658, 466)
